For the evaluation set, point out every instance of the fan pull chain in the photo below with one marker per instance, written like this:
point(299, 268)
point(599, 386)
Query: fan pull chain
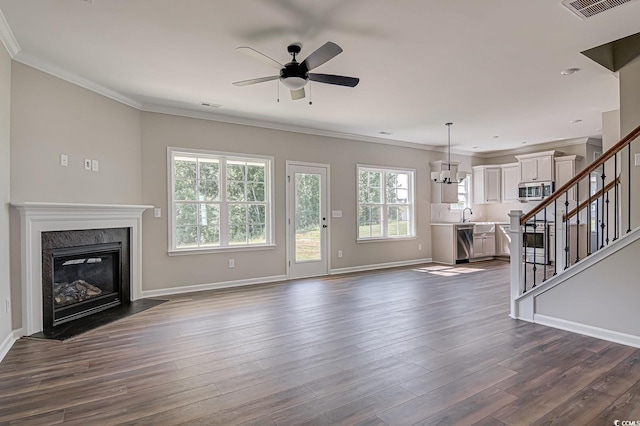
point(310, 103)
point(278, 91)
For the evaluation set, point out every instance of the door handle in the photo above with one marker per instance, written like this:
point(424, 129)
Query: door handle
point(324, 226)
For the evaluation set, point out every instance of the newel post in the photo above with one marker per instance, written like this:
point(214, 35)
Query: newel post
point(516, 268)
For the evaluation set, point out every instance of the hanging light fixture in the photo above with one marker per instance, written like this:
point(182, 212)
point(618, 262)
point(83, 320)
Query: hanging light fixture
point(445, 176)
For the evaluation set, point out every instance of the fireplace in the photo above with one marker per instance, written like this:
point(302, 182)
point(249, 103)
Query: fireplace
point(38, 219)
point(84, 272)
point(85, 280)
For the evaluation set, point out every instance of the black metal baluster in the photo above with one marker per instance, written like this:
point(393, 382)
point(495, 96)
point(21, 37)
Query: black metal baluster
point(577, 223)
point(524, 255)
point(588, 216)
point(555, 252)
point(615, 197)
point(602, 225)
point(535, 250)
point(629, 189)
point(607, 207)
point(597, 222)
point(546, 246)
point(566, 226)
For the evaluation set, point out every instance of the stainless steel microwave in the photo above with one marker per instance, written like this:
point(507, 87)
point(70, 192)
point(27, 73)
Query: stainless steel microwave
point(534, 191)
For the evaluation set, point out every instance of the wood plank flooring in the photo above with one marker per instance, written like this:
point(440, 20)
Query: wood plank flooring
point(428, 345)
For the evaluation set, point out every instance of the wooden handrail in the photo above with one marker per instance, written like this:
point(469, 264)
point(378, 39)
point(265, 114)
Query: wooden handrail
point(595, 196)
point(582, 174)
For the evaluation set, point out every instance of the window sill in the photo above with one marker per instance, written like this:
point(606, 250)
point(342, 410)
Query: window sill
point(386, 239)
point(211, 250)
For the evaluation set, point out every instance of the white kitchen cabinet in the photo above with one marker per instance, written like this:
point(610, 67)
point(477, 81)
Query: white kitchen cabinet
point(536, 167)
point(503, 240)
point(509, 182)
point(565, 169)
point(484, 245)
point(442, 193)
point(486, 184)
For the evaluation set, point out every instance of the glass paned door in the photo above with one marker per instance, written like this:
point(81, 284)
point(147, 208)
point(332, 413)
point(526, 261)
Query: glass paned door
point(307, 220)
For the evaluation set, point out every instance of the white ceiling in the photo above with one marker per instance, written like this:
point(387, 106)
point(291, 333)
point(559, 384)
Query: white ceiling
point(492, 67)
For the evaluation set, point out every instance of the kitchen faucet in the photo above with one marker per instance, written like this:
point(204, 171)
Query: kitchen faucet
point(464, 210)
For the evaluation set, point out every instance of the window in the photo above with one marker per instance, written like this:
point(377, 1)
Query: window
point(219, 200)
point(464, 194)
point(385, 203)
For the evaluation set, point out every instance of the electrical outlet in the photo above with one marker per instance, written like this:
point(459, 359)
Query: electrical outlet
point(8, 305)
point(419, 246)
point(157, 212)
point(87, 164)
point(95, 165)
point(232, 263)
point(636, 158)
point(64, 160)
point(339, 253)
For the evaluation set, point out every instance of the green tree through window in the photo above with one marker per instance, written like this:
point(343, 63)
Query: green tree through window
point(385, 203)
point(219, 200)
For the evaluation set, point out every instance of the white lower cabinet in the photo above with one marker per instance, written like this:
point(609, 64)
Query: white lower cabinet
point(484, 245)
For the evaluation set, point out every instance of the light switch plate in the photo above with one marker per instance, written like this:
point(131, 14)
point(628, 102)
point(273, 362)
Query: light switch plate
point(157, 212)
point(636, 158)
point(87, 164)
point(95, 165)
point(64, 160)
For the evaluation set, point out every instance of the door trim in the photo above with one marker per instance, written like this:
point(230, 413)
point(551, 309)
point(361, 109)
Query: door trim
point(288, 218)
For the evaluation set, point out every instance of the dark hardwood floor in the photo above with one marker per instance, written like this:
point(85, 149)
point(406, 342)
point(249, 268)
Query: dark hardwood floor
point(422, 345)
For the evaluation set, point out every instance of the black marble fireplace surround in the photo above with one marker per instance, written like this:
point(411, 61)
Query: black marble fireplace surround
point(96, 271)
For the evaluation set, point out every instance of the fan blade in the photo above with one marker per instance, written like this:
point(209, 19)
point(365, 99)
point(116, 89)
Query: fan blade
point(297, 94)
point(261, 57)
point(255, 80)
point(324, 53)
point(340, 80)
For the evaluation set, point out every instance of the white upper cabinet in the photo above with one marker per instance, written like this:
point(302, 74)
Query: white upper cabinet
point(486, 184)
point(442, 193)
point(536, 167)
point(565, 168)
point(510, 180)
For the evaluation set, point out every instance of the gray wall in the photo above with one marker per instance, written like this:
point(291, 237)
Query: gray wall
point(597, 298)
point(49, 117)
point(629, 120)
point(5, 107)
point(159, 131)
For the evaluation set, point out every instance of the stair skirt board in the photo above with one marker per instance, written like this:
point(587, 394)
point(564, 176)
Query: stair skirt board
point(588, 330)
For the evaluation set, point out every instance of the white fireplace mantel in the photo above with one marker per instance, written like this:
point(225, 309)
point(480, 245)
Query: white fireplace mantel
point(36, 218)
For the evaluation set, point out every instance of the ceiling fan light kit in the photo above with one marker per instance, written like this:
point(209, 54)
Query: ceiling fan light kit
point(294, 75)
point(445, 176)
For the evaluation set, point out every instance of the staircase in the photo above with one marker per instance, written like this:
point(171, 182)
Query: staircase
point(588, 283)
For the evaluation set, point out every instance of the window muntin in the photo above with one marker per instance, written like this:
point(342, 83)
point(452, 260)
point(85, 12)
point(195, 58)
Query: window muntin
point(464, 194)
point(385, 203)
point(219, 200)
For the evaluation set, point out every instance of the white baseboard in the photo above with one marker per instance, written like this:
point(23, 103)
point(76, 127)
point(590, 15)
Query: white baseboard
point(379, 266)
point(212, 286)
point(588, 330)
point(8, 342)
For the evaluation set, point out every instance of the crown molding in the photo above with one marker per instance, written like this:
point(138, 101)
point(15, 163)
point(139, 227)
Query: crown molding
point(539, 147)
point(243, 121)
point(51, 69)
point(7, 37)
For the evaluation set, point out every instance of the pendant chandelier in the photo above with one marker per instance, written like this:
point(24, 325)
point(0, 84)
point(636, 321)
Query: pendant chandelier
point(445, 176)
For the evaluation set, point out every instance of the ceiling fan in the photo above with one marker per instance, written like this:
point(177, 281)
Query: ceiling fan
point(295, 75)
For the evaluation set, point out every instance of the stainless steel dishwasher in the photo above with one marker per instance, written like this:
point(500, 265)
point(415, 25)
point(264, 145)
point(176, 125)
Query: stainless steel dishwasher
point(464, 243)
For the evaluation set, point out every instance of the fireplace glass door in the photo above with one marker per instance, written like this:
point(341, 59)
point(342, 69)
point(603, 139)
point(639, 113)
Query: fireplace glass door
point(85, 280)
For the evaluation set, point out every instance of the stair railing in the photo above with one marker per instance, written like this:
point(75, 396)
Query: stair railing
point(578, 219)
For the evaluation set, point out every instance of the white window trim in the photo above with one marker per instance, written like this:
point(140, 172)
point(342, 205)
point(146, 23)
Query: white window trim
point(412, 194)
point(269, 225)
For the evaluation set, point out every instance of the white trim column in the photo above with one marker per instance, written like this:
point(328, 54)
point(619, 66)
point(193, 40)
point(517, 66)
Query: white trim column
point(516, 266)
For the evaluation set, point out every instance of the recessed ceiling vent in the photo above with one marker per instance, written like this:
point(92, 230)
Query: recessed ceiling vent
point(588, 8)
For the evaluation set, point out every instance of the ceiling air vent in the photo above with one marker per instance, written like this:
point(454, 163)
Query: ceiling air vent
point(588, 8)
